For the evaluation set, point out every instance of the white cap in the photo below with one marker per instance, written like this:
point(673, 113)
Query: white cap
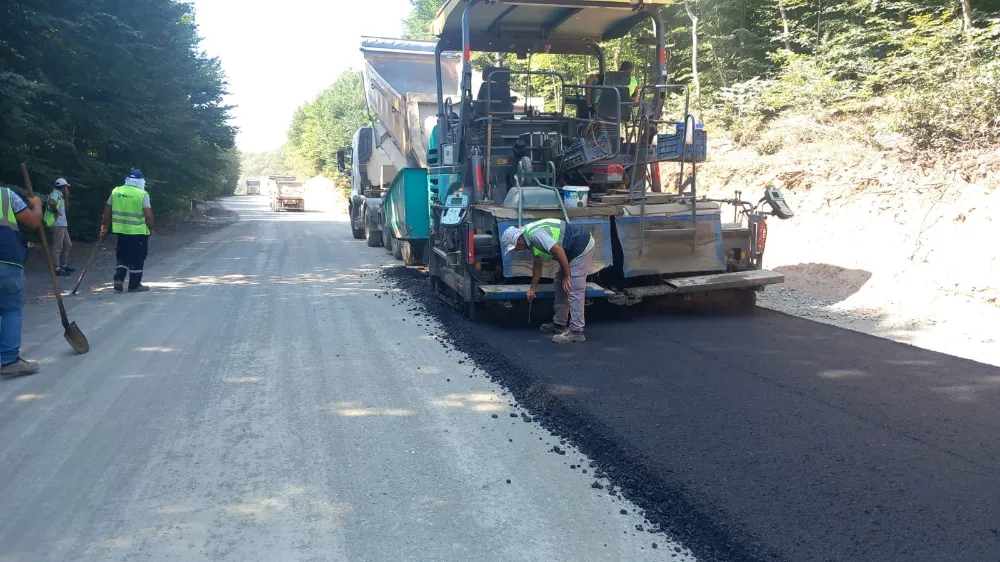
point(61, 182)
point(509, 239)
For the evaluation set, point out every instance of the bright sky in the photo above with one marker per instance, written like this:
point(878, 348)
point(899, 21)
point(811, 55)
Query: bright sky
point(279, 54)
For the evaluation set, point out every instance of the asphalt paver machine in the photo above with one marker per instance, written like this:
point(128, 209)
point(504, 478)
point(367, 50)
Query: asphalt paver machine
point(491, 167)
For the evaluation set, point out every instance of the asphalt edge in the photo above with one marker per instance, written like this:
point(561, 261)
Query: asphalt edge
point(663, 504)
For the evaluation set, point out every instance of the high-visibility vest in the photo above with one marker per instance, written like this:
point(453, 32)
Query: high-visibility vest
point(12, 250)
point(50, 218)
point(7, 218)
point(633, 85)
point(127, 214)
point(554, 226)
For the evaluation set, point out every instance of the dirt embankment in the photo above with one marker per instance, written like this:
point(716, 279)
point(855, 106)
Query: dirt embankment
point(889, 241)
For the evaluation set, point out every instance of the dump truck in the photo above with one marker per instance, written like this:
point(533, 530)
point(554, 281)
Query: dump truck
point(253, 187)
point(491, 166)
point(288, 193)
point(388, 159)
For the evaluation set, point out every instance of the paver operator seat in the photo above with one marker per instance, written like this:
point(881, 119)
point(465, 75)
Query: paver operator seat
point(496, 89)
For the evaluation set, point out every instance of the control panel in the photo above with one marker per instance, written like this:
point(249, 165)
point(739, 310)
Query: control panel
point(455, 208)
point(777, 203)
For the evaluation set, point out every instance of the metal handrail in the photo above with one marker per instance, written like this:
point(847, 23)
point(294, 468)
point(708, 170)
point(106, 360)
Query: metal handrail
point(520, 192)
point(618, 107)
point(489, 91)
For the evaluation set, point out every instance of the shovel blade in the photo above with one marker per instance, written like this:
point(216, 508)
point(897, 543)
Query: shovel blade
point(76, 339)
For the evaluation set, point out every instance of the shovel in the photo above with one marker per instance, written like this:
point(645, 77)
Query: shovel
point(97, 248)
point(73, 335)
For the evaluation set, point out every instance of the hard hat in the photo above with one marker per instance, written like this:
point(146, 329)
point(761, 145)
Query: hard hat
point(509, 239)
point(136, 174)
point(61, 182)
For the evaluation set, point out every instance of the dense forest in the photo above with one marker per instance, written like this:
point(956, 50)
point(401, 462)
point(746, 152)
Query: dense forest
point(926, 70)
point(90, 89)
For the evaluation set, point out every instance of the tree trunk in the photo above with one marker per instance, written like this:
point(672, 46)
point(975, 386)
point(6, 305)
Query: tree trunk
point(694, 52)
point(785, 35)
point(967, 15)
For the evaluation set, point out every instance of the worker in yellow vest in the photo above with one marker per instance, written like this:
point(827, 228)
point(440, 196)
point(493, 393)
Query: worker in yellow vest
point(13, 253)
point(55, 218)
point(131, 218)
point(573, 249)
point(633, 84)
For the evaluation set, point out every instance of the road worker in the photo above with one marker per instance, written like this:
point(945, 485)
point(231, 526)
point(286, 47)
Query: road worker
point(572, 248)
point(13, 253)
point(131, 218)
point(55, 218)
point(633, 84)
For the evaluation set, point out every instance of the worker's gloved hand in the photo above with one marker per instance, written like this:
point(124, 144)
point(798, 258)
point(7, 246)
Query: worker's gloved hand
point(531, 294)
point(566, 284)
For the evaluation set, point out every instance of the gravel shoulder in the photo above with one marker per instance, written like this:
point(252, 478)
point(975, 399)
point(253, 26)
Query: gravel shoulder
point(269, 399)
point(166, 241)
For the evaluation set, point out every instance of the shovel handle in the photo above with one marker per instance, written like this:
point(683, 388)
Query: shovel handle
point(45, 248)
point(97, 248)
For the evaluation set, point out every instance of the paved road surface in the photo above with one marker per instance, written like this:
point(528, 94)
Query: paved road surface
point(769, 437)
point(261, 403)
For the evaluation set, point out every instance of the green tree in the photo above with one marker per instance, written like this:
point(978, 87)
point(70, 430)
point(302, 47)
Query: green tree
point(418, 24)
point(92, 88)
point(325, 125)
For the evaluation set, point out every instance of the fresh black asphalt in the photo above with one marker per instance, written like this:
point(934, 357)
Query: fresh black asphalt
point(763, 436)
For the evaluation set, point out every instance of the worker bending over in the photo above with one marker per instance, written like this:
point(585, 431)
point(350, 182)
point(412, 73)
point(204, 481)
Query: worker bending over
point(131, 218)
point(573, 249)
point(13, 253)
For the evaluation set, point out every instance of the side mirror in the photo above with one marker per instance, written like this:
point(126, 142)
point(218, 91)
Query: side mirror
point(341, 161)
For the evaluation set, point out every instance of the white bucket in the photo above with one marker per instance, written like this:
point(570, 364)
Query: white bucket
point(575, 195)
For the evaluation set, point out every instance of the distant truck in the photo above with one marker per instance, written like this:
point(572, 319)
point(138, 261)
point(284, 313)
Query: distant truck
point(288, 193)
point(253, 187)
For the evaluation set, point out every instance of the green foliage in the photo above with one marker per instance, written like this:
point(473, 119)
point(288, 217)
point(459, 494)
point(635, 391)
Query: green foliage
point(273, 162)
point(327, 124)
point(418, 24)
point(770, 143)
point(90, 89)
point(929, 77)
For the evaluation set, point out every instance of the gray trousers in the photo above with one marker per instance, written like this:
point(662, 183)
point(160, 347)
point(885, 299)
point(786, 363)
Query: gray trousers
point(61, 245)
point(569, 308)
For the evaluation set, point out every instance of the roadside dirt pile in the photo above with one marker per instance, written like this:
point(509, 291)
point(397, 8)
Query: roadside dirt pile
point(322, 194)
point(886, 239)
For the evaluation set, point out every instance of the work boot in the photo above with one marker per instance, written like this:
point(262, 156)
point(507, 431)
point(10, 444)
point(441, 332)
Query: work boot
point(119, 286)
point(68, 268)
point(569, 336)
point(19, 368)
point(62, 272)
point(139, 289)
point(552, 328)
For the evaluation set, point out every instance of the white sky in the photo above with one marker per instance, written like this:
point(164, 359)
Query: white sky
point(279, 54)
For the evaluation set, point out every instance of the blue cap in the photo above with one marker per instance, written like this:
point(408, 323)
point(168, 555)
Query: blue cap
point(136, 174)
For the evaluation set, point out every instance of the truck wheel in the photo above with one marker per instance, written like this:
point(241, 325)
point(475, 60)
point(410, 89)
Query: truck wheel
point(372, 238)
point(388, 241)
point(409, 254)
point(358, 233)
point(399, 250)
